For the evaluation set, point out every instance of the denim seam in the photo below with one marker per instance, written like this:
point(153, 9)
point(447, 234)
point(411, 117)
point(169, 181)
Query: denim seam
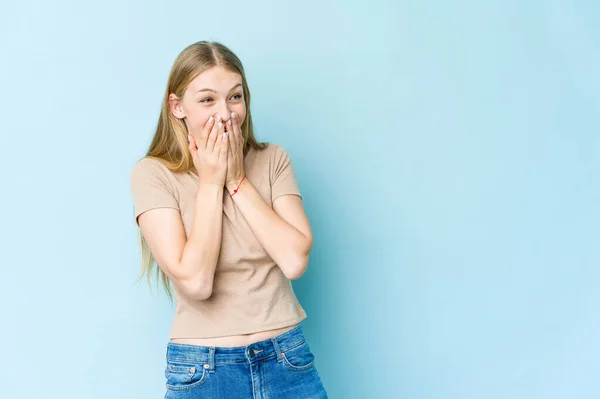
point(293, 345)
point(298, 368)
point(193, 385)
point(202, 362)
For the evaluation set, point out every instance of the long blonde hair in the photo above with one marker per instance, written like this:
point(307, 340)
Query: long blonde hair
point(170, 143)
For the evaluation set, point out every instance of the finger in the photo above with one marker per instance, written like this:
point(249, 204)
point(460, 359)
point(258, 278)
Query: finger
point(232, 138)
point(223, 146)
point(207, 130)
point(208, 127)
point(219, 134)
point(217, 130)
point(230, 143)
point(237, 130)
point(198, 136)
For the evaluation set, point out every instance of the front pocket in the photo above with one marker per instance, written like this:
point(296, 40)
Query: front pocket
point(299, 358)
point(181, 376)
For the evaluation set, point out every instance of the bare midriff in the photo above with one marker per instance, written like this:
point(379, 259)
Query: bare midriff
point(233, 340)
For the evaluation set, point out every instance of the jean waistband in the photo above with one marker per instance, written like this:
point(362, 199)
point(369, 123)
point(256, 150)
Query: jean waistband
point(211, 355)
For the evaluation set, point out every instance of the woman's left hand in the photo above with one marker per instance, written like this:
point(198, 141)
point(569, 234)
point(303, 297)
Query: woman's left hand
point(235, 158)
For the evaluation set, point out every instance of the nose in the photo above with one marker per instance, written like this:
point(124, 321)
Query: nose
point(224, 112)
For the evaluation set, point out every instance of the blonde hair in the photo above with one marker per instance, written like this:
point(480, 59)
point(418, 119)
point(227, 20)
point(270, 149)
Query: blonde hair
point(170, 144)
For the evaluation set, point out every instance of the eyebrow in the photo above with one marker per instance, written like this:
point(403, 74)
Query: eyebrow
point(211, 90)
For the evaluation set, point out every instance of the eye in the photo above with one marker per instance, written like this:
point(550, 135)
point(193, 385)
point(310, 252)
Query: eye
point(237, 96)
point(206, 100)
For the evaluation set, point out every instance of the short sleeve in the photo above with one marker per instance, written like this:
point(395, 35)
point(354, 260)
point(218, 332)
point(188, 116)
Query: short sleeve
point(283, 179)
point(150, 187)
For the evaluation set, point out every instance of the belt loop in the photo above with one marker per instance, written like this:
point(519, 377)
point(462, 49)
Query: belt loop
point(277, 349)
point(211, 359)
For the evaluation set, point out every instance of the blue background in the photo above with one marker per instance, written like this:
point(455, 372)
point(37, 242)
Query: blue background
point(448, 157)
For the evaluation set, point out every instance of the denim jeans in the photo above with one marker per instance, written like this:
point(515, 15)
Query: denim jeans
point(276, 368)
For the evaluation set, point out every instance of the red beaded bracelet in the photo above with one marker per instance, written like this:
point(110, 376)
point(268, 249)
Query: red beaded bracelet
point(236, 190)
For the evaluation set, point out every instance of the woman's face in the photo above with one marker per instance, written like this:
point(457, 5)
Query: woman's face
point(215, 92)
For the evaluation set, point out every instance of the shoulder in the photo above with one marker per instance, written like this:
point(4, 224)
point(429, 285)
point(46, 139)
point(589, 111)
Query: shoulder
point(269, 148)
point(275, 152)
point(274, 157)
point(266, 154)
point(275, 148)
point(148, 163)
point(149, 168)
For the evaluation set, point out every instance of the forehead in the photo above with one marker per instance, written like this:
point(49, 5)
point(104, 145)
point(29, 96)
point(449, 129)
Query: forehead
point(216, 78)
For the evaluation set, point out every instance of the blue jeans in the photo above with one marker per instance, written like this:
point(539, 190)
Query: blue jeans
point(279, 367)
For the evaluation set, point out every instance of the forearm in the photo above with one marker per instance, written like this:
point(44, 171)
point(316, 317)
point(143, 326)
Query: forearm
point(201, 251)
point(287, 246)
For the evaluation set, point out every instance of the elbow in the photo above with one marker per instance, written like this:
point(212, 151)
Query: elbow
point(199, 289)
point(295, 268)
point(201, 295)
point(297, 264)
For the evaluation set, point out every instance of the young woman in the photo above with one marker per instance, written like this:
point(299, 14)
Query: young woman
point(222, 217)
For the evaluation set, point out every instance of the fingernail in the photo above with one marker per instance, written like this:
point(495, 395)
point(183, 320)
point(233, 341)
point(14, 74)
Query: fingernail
point(220, 125)
point(229, 122)
point(233, 115)
point(211, 119)
point(224, 136)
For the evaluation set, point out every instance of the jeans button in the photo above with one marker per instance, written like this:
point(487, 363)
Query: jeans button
point(251, 352)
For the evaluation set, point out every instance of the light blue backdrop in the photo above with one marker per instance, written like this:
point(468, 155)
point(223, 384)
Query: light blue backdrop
point(448, 153)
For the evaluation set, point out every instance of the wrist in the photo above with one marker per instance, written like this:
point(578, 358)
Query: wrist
point(210, 187)
point(235, 185)
point(210, 184)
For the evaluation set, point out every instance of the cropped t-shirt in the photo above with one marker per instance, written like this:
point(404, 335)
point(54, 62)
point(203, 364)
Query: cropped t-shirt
point(250, 292)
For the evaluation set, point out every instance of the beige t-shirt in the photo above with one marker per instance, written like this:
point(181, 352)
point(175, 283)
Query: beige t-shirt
point(250, 292)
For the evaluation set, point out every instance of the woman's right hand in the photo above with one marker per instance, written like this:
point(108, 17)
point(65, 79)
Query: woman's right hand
point(209, 152)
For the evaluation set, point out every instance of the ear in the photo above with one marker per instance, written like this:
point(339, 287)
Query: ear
point(175, 106)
